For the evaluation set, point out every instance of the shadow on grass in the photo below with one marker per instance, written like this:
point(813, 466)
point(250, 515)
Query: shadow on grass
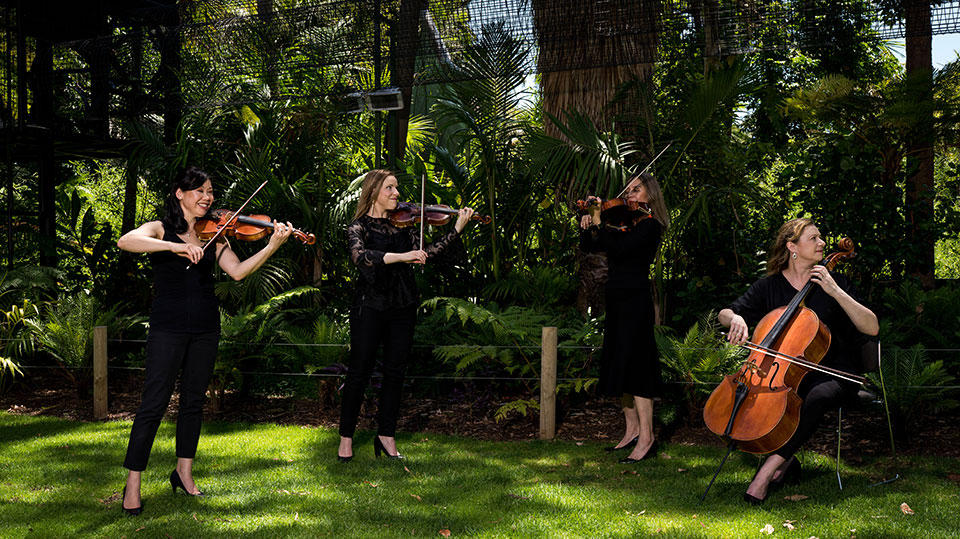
point(272, 481)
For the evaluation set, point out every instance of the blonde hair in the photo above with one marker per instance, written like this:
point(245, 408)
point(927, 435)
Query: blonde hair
point(370, 190)
point(779, 256)
point(654, 199)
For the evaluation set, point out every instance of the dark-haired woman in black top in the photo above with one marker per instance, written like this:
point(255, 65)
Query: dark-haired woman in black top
point(629, 362)
point(794, 260)
point(184, 324)
point(384, 307)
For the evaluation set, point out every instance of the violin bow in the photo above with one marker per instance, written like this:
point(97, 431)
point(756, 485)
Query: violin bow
point(650, 164)
point(236, 213)
point(423, 199)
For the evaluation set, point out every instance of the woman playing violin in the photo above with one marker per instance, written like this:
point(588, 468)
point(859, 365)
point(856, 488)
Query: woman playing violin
point(793, 261)
point(184, 324)
point(384, 305)
point(629, 363)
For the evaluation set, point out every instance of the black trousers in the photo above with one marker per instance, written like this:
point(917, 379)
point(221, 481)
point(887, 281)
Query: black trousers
point(369, 329)
point(169, 353)
point(821, 393)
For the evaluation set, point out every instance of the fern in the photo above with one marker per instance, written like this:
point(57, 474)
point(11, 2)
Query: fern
point(914, 385)
point(519, 406)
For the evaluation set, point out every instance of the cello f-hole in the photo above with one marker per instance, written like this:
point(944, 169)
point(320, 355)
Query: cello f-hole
point(776, 369)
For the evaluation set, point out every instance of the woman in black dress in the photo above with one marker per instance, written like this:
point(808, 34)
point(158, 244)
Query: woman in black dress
point(794, 259)
point(384, 307)
point(629, 362)
point(184, 325)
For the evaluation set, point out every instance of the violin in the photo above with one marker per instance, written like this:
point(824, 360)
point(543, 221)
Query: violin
point(409, 214)
point(242, 227)
point(757, 409)
point(618, 212)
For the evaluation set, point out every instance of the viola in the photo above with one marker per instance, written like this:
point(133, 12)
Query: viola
point(242, 227)
point(618, 212)
point(409, 214)
point(757, 409)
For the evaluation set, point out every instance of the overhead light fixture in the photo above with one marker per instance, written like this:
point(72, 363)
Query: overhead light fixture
point(352, 102)
point(385, 99)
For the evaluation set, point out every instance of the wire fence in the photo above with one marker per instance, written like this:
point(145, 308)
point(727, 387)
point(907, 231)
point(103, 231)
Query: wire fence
point(456, 378)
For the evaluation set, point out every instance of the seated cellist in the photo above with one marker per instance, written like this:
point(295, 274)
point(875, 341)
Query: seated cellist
point(794, 259)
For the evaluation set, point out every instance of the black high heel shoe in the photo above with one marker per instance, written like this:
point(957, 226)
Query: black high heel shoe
point(650, 454)
point(378, 448)
point(789, 475)
point(627, 445)
point(133, 511)
point(175, 482)
point(343, 459)
point(753, 500)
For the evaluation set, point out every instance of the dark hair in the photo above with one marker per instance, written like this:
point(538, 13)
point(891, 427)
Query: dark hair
point(189, 179)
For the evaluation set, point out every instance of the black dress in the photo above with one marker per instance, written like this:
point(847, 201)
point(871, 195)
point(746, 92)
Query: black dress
point(629, 362)
point(820, 392)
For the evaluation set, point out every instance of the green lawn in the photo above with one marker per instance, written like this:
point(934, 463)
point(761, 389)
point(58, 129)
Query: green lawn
point(63, 478)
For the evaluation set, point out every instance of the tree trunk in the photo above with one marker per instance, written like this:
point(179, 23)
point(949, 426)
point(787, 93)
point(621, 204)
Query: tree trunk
point(404, 45)
point(587, 50)
point(920, 186)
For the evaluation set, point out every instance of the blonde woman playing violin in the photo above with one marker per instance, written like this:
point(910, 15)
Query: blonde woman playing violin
point(384, 308)
point(629, 362)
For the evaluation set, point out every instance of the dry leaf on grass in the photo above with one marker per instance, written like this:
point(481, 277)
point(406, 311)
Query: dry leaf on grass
point(681, 470)
point(417, 497)
point(906, 509)
point(768, 529)
point(445, 532)
point(789, 525)
point(374, 485)
point(795, 497)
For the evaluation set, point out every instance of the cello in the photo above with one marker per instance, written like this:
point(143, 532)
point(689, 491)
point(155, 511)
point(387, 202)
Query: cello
point(757, 409)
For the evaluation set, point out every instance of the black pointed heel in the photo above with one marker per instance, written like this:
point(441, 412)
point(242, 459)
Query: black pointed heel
point(378, 448)
point(133, 511)
point(175, 482)
point(650, 454)
point(753, 500)
point(344, 459)
point(627, 445)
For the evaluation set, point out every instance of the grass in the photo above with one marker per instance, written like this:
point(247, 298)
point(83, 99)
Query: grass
point(63, 478)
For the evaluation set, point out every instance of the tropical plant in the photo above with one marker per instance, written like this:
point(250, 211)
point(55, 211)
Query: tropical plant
point(65, 332)
point(245, 336)
point(914, 386)
point(698, 360)
point(508, 340)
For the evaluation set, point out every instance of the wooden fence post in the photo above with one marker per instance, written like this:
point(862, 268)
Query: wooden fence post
point(100, 372)
point(548, 384)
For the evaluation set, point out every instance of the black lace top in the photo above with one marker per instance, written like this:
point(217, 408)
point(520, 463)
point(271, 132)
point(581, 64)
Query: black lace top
point(629, 252)
point(383, 286)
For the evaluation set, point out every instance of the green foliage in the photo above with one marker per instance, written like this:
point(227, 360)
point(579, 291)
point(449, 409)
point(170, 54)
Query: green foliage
point(914, 386)
point(246, 335)
point(928, 318)
point(65, 332)
point(698, 360)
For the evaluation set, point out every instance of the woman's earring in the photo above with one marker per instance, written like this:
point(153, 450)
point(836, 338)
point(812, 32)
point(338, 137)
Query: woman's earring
point(794, 256)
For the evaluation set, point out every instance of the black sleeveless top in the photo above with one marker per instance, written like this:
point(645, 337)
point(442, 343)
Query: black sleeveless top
point(183, 299)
